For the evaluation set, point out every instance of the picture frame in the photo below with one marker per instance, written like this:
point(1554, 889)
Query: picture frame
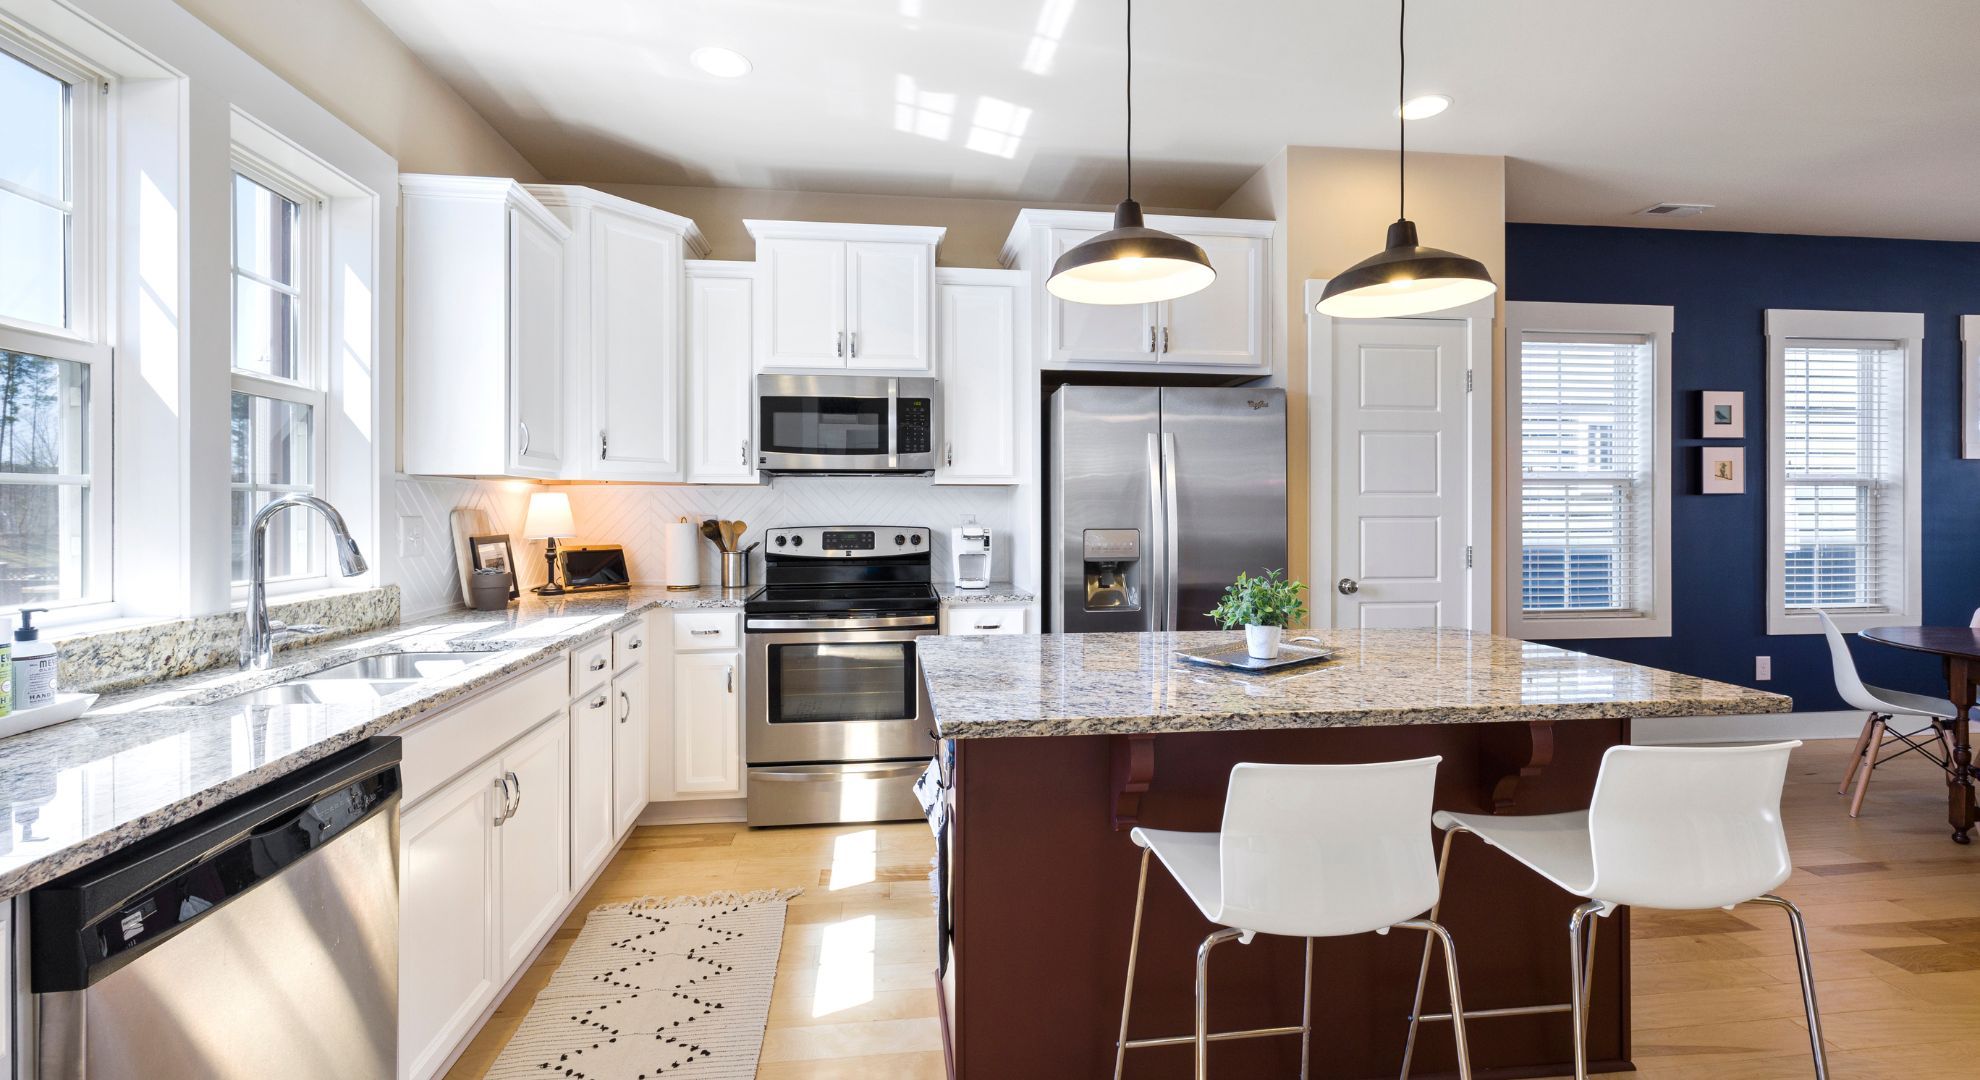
point(1722, 470)
point(1722, 414)
point(494, 551)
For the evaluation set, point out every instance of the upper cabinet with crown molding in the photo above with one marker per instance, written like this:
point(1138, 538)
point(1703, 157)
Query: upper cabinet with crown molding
point(1225, 329)
point(845, 298)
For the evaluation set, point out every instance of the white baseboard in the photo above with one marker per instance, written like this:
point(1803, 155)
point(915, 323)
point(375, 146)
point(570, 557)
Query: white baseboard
point(1680, 730)
point(695, 812)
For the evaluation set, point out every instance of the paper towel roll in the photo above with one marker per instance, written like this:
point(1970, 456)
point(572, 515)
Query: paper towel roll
point(683, 555)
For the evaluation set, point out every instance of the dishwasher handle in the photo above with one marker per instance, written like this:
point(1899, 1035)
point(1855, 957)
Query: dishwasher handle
point(93, 921)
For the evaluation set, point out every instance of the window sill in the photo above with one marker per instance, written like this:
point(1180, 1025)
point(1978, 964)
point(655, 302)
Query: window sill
point(1587, 627)
point(1782, 624)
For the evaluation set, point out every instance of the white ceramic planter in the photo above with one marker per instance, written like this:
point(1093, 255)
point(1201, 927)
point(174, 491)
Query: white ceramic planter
point(1262, 642)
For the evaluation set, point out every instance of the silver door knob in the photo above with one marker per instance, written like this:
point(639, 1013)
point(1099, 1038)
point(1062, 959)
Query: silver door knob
point(1348, 586)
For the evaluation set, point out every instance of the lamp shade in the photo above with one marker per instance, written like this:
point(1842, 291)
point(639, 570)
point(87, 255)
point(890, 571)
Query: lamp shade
point(549, 516)
point(1130, 264)
point(1406, 278)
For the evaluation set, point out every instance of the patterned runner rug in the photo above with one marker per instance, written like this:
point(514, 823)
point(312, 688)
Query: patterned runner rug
point(654, 988)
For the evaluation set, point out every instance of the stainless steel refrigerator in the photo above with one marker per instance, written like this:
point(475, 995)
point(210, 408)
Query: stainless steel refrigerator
point(1159, 496)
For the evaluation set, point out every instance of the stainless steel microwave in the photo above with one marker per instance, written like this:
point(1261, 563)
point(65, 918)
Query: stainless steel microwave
point(846, 424)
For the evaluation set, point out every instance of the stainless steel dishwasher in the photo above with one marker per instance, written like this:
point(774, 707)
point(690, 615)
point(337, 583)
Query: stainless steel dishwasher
point(259, 939)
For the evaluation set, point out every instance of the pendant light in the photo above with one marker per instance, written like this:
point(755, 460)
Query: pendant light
point(1406, 278)
point(1130, 263)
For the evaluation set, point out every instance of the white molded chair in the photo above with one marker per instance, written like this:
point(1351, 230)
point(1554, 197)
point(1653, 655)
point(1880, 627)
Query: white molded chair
point(1305, 851)
point(1677, 827)
point(1884, 706)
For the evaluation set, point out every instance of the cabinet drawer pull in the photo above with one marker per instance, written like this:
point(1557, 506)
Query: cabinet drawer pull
point(502, 785)
point(839, 346)
point(732, 678)
point(704, 633)
point(634, 644)
point(625, 700)
point(1165, 339)
point(998, 625)
point(854, 349)
point(597, 702)
point(516, 807)
point(597, 665)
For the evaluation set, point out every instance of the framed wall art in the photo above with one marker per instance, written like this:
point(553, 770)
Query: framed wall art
point(1724, 414)
point(1723, 469)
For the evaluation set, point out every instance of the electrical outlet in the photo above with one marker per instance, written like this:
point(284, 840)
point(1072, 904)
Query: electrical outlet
point(1763, 668)
point(412, 537)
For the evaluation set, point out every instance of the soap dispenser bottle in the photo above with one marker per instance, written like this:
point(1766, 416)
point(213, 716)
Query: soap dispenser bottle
point(33, 663)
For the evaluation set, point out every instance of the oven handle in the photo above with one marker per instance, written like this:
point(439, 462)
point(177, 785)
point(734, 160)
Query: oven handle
point(842, 772)
point(833, 622)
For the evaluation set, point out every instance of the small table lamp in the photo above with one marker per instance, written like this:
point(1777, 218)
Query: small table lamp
point(549, 518)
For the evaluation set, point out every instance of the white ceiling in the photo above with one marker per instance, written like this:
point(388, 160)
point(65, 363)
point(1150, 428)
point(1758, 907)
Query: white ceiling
point(1818, 116)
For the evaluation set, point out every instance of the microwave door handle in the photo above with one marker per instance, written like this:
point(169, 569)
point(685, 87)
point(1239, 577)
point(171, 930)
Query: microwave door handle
point(1157, 589)
point(893, 423)
point(1172, 532)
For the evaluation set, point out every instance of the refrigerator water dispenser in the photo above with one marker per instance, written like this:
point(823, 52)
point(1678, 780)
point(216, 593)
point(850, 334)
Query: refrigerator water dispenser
point(1113, 569)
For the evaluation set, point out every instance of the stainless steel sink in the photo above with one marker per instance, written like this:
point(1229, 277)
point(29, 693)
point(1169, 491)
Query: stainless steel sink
point(398, 666)
point(320, 692)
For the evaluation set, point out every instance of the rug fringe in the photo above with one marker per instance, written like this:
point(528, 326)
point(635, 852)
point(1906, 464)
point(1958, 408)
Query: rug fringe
point(718, 899)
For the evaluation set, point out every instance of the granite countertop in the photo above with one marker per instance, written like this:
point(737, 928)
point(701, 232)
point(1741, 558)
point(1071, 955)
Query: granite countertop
point(997, 592)
point(1091, 684)
point(147, 758)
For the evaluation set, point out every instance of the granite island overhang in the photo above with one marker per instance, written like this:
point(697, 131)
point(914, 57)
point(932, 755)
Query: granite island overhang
point(1055, 745)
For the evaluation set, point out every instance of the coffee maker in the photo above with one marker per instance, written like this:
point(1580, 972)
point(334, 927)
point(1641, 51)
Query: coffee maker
point(969, 551)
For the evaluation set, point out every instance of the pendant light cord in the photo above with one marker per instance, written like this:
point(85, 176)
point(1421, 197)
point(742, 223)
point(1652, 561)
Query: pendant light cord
point(1130, 99)
point(1402, 122)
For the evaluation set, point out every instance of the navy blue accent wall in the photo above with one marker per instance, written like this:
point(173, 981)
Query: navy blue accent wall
point(1720, 285)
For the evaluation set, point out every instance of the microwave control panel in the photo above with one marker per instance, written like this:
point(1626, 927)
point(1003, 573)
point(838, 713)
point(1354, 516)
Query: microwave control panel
point(914, 417)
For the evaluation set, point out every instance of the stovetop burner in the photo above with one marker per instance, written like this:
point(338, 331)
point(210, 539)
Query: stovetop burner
point(896, 596)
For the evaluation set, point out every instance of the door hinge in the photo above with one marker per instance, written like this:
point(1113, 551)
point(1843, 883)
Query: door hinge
point(1467, 556)
point(1467, 381)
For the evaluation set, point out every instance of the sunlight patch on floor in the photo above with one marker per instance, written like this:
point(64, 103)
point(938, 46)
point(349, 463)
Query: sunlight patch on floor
point(845, 966)
point(855, 857)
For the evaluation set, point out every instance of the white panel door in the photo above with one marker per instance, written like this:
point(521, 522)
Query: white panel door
point(534, 841)
point(635, 350)
point(1400, 452)
point(447, 870)
point(979, 385)
point(593, 813)
point(631, 725)
point(1224, 325)
point(805, 314)
point(889, 290)
point(1098, 333)
point(720, 379)
point(536, 347)
point(708, 723)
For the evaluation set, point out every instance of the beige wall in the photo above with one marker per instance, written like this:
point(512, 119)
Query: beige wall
point(337, 52)
point(1334, 207)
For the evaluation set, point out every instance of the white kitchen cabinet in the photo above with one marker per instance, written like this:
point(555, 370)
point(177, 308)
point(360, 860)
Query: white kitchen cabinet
point(594, 817)
point(483, 289)
point(535, 842)
point(721, 376)
point(980, 332)
point(707, 735)
point(447, 878)
point(1225, 329)
point(979, 619)
point(844, 297)
point(624, 293)
point(631, 728)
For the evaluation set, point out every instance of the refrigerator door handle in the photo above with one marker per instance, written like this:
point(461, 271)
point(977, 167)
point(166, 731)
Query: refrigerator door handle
point(1171, 534)
point(1158, 557)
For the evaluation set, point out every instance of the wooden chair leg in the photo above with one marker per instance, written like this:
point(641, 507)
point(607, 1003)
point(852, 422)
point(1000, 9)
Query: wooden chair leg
point(1945, 739)
point(1870, 751)
point(1856, 755)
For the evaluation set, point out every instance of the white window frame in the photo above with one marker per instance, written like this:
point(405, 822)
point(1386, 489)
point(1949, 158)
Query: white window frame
point(1907, 329)
point(85, 337)
point(1654, 323)
point(312, 347)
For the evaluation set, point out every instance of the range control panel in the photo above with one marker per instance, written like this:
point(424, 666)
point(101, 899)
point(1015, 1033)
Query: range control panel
point(847, 541)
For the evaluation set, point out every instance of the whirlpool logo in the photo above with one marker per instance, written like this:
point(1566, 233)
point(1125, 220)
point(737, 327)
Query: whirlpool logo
point(1257, 404)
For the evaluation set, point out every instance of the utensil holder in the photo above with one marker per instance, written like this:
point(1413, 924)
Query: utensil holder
point(735, 569)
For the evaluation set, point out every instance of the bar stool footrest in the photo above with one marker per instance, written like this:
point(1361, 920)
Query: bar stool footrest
point(1217, 1036)
point(1514, 1010)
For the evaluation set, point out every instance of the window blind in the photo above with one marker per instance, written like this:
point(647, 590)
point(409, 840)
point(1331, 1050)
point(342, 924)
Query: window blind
point(1585, 474)
point(1842, 442)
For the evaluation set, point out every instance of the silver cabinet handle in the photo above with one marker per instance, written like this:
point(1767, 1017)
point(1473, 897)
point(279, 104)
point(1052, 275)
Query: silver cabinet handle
point(840, 346)
point(517, 807)
point(990, 626)
point(704, 633)
point(949, 454)
point(853, 349)
point(602, 444)
point(634, 644)
point(1347, 586)
point(625, 701)
point(597, 702)
point(524, 425)
point(502, 785)
point(597, 665)
point(1151, 339)
point(745, 453)
point(732, 678)
point(1165, 339)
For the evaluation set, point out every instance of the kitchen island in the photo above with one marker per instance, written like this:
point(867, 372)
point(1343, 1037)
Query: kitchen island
point(1055, 746)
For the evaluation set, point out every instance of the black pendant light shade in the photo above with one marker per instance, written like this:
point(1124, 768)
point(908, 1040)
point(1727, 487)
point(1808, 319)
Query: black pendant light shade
point(1406, 278)
point(1130, 264)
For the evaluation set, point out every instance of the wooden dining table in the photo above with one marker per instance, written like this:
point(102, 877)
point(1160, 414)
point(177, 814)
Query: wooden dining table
point(1958, 648)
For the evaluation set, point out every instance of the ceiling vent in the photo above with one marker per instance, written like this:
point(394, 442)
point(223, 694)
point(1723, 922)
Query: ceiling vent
point(1676, 209)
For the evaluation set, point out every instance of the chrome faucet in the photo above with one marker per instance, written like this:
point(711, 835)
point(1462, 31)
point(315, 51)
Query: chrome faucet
point(259, 632)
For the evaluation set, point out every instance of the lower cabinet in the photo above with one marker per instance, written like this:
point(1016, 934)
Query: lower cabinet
point(447, 879)
point(708, 723)
point(535, 837)
point(594, 817)
point(630, 727)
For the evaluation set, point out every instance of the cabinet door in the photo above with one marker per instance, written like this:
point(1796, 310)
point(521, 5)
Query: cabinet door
point(447, 870)
point(534, 842)
point(888, 291)
point(708, 723)
point(635, 350)
point(1097, 333)
point(979, 385)
point(592, 818)
point(720, 386)
point(805, 316)
point(631, 729)
point(536, 347)
point(1224, 325)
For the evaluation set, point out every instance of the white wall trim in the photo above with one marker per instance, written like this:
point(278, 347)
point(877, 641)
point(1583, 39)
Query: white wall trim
point(1969, 386)
point(1766, 727)
point(1478, 319)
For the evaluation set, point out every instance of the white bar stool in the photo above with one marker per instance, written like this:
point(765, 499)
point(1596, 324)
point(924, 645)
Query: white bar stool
point(1884, 706)
point(1675, 827)
point(1279, 866)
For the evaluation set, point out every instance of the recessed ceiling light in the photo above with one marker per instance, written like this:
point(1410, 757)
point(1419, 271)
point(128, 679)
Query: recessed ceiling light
point(1424, 107)
point(719, 62)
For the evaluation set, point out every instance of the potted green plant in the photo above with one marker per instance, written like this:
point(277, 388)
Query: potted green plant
point(1264, 606)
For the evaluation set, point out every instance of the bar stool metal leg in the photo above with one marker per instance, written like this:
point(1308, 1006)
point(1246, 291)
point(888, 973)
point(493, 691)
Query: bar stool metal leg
point(1134, 951)
point(1442, 936)
point(1306, 1014)
point(1423, 969)
point(1203, 997)
point(1802, 961)
point(1578, 985)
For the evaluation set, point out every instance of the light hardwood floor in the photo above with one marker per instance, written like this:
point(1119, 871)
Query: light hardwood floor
point(1893, 908)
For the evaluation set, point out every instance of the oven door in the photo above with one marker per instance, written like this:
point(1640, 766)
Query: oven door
point(827, 689)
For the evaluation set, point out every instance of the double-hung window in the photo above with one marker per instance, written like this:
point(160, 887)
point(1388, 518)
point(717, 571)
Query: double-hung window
point(1586, 394)
point(1843, 515)
point(54, 353)
point(278, 367)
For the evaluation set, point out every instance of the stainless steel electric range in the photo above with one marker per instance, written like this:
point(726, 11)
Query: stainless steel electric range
point(839, 724)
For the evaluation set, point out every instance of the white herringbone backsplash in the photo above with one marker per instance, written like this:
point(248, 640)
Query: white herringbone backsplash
point(631, 515)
